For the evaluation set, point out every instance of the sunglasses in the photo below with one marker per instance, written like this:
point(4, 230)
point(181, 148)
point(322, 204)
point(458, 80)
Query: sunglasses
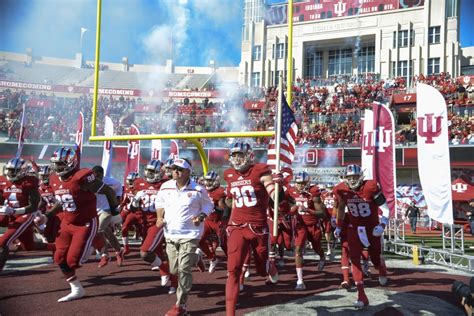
point(179, 169)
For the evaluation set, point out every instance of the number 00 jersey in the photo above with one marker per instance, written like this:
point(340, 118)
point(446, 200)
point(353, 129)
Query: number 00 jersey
point(79, 206)
point(361, 207)
point(250, 198)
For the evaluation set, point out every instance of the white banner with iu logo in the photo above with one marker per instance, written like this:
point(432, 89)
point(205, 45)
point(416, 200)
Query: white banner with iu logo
point(133, 153)
point(107, 153)
point(433, 153)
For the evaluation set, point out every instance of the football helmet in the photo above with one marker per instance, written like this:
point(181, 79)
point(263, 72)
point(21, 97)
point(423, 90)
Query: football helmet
point(241, 156)
point(131, 177)
point(15, 169)
point(211, 180)
point(353, 176)
point(329, 187)
point(167, 168)
point(154, 171)
point(44, 173)
point(301, 181)
point(64, 160)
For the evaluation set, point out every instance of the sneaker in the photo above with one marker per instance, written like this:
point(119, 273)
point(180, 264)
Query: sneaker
point(321, 265)
point(361, 303)
point(200, 262)
point(300, 286)
point(176, 310)
point(165, 279)
point(120, 257)
point(213, 265)
point(172, 290)
point(104, 260)
point(345, 285)
point(383, 280)
point(126, 249)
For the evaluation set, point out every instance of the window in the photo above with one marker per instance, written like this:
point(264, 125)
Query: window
point(434, 35)
point(280, 51)
point(314, 64)
point(340, 62)
point(403, 68)
point(433, 66)
point(257, 52)
point(394, 39)
point(412, 37)
point(451, 8)
point(366, 60)
point(403, 38)
point(255, 79)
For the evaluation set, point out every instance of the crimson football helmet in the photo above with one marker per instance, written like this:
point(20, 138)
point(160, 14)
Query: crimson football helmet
point(131, 177)
point(302, 181)
point(154, 171)
point(15, 169)
point(353, 176)
point(241, 156)
point(64, 160)
point(44, 173)
point(211, 180)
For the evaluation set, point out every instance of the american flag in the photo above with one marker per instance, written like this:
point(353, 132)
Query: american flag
point(289, 130)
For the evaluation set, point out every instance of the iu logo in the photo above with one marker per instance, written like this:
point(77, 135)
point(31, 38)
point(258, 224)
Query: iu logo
point(155, 153)
point(133, 149)
point(379, 138)
point(108, 145)
point(428, 132)
point(340, 8)
point(459, 187)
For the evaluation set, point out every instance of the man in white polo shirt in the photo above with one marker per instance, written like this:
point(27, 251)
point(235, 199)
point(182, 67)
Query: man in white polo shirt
point(181, 207)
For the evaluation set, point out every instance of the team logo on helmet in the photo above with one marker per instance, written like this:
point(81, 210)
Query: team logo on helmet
point(302, 180)
point(64, 160)
point(15, 169)
point(211, 180)
point(353, 176)
point(153, 171)
point(131, 177)
point(241, 156)
point(44, 173)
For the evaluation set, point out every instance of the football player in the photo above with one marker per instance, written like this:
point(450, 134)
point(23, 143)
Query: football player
point(250, 186)
point(363, 199)
point(51, 231)
point(130, 218)
point(75, 190)
point(213, 224)
point(327, 196)
point(19, 198)
point(308, 225)
point(152, 250)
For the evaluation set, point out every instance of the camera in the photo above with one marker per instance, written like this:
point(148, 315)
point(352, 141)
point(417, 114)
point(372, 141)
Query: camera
point(465, 291)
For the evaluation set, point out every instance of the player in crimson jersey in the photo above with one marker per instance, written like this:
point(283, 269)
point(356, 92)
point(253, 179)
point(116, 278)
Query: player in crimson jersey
point(151, 250)
point(250, 186)
point(51, 231)
point(75, 190)
point(285, 232)
point(308, 225)
point(19, 198)
point(329, 222)
point(130, 218)
point(363, 199)
point(213, 224)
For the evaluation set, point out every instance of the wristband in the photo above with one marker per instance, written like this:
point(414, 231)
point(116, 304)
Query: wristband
point(202, 216)
point(19, 211)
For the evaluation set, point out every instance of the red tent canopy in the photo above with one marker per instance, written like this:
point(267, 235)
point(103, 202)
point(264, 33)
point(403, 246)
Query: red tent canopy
point(462, 189)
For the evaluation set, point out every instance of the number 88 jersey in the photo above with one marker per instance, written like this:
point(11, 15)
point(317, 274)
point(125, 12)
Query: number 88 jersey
point(362, 209)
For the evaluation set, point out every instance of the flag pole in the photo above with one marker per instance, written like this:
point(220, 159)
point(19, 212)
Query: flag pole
point(289, 77)
point(21, 138)
point(277, 158)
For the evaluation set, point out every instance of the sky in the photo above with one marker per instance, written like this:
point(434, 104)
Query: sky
point(193, 32)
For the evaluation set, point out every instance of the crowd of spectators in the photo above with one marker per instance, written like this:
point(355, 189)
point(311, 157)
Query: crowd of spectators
point(327, 116)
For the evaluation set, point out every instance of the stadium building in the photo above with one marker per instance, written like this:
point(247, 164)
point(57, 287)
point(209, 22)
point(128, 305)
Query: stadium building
point(334, 38)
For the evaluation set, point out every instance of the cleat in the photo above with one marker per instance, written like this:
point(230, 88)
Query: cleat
point(126, 249)
point(172, 290)
point(345, 285)
point(213, 265)
point(120, 257)
point(104, 260)
point(77, 291)
point(321, 265)
point(176, 310)
point(359, 304)
point(383, 280)
point(272, 273)
point(165, 279)
point(247, 273)
point(300, 286)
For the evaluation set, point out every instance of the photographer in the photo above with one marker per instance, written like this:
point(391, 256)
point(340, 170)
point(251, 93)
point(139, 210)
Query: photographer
point(470, 215)
point(466, 293)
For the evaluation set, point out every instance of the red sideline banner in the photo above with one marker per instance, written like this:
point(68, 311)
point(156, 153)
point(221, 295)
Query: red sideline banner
point(254, 105)
point(108, 91)
point(465, 80)
point(40, 103)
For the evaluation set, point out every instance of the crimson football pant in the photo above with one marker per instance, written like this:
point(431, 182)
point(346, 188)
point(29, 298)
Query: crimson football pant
point(356, 248)
point(73, 244)
point(21, 228)
point(153, 244)
point(312, 234)
point(51, 231)
point(284, 237)
point(240, 239)
point(211, 227)
point(129, 220)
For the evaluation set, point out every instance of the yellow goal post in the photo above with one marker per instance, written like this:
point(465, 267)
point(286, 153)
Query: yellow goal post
point(193, 138)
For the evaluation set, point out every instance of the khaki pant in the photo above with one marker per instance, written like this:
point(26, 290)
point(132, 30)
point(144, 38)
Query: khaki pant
point(106, 229)
point(182, 257)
